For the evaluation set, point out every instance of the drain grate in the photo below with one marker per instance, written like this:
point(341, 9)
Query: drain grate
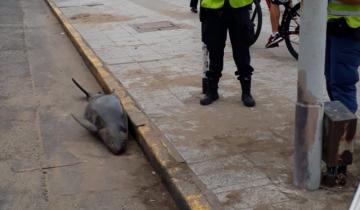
point(154, 26)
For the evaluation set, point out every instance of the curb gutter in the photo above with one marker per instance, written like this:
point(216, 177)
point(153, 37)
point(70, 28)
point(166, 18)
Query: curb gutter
point(184, 186)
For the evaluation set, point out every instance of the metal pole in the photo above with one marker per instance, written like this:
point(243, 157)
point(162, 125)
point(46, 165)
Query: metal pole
point(355, 204)
point(309, 106)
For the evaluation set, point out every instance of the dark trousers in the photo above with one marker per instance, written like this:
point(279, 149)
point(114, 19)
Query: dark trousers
point(341, 69)
point(193, 3)
point(342, 62)
point(215, 24)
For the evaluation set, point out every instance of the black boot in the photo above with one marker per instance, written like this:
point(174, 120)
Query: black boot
point(212, 94)
point(246, 96)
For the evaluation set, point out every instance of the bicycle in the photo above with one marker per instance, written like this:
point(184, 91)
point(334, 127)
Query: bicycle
point(256, 18)
point(289, 28)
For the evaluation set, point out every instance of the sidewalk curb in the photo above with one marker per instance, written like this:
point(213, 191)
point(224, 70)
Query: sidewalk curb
point(184, 186)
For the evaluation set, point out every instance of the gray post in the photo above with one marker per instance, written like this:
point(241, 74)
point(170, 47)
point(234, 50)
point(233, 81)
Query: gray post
point(309, 106)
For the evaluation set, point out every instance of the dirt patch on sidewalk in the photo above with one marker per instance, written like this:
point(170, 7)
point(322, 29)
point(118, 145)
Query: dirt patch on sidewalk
point(98, 18)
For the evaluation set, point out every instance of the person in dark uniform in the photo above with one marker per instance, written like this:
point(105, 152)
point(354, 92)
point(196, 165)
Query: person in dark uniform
point(343, 51)
point(217, 17)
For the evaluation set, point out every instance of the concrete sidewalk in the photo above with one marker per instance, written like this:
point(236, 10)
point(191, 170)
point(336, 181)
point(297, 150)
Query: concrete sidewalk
point(242, 155)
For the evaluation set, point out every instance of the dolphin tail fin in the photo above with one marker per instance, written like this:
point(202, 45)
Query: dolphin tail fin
point(85, 123)
point(81, 88)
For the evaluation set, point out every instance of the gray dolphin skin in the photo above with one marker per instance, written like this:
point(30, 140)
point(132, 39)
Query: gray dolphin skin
point(105, 117)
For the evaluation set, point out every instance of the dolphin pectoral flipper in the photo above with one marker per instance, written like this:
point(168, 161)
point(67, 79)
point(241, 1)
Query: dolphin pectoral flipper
point(85, 123)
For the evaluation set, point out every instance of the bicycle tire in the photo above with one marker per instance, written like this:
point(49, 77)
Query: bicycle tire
point(294, 13)
point(256, 14)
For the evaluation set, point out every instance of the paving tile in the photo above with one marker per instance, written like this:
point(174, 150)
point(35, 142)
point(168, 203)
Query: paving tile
point(123, 69)
point(243, 185)
point(231, 177)
point(194, 154)
point(113, 51)
point(221, 164)
point(296, 205)
point(117, 60)
point(101, 44)
point(255, 197)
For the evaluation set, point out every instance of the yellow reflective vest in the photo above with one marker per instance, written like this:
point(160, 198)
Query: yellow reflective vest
point(351, 13)
point(217, 4)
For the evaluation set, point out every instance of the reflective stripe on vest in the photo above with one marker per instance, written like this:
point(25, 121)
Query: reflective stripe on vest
point(337, 8)
point(217, 4)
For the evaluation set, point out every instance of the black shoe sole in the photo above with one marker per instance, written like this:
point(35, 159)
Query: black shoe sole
point(205, 103)
point(272, 45)
point(249, 105)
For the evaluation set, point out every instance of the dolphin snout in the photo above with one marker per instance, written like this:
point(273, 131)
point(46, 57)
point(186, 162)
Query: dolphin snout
point(115, 141)
point(120, 144)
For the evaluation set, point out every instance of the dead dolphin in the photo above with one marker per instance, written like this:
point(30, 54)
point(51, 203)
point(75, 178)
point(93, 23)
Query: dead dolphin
point(105, 116)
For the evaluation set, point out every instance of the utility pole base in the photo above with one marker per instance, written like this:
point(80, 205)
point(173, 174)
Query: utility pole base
point(307, 162)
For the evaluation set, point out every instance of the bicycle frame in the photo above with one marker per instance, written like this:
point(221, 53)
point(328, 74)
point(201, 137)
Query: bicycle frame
point(282, 30)
point(287, 29)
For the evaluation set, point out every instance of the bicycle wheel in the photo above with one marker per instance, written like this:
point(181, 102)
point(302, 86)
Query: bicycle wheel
point(292, 27)
point(256, 18)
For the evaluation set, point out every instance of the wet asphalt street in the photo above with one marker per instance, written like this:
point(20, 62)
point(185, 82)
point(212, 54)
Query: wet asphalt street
point(47, 161)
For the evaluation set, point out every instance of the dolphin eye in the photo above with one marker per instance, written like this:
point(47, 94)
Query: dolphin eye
point(123, 129)
point(99, 122)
